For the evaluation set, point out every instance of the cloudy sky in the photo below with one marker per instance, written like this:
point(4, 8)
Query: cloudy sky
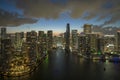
point(26, 15)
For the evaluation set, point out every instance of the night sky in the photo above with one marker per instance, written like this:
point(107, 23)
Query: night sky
point(27, 15)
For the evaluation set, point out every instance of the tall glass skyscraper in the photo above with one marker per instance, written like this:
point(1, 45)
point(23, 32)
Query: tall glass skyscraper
point(67, 38)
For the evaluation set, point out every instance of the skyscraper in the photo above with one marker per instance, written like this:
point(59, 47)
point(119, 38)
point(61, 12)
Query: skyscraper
point(6, 45)
point(100, 46)
point(87, 28)
point(22, 35)
point(6, 54)
point(33, 36)
point(67, 38)
point(41, 42)
point(55, 39)
point(93, 42)
point(3, 33)
point(3, 37)
point(74, 40)
point(31, 39)
point(87, 46)
point(84, 45)
point(18, 40)
point(81, 44)
point(49, 40)
point(118, 41)
point(109, 43)
point(44, 44)
point(40, 36)
point(28, 37)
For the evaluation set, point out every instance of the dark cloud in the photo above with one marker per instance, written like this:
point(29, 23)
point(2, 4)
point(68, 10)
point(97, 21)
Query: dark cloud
point(111, 21)
point(40, 8)
point(110, 30)
point(53, 8)
point(114, 18)
point(110, 10)
point(9, 19)
point(89, 16)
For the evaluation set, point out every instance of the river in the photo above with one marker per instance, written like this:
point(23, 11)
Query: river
point(61, 66)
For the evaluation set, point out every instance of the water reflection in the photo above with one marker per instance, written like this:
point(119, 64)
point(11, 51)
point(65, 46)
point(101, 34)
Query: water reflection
point(61, 66)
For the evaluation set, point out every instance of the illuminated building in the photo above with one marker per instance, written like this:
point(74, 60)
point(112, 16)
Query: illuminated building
point(18, 40)
point(44, 44)
point(6, 45)
point(118, 41)
point(109, 43)
point(3, 36)
point(81, 47)
point(60, 41)
point(40, 36)
point(100, 46)
point(87, 46)
point(6, 54)
point(40, 42)
point(3, 33)
point(64, 40)
point(93, 42)
point(67, 38)
point(33, 36)
point(55, 41)
point(28, 37)
point(90, 43)
point(12, 37)
point(49, 40)
point(84, 45)
point(74, 40)
point(87, 28)
point(22, 35)
point(31, 39)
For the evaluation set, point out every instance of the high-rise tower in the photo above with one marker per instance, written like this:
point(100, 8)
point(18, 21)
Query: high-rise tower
point(118, 40)
point(74, 41)
point(49, 40)
point(3, 33)
point(67, 38)
point(87, 28)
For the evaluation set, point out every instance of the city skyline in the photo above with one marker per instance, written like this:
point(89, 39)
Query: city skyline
point(53, 15)
point(59, 39)
point(22, 54)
